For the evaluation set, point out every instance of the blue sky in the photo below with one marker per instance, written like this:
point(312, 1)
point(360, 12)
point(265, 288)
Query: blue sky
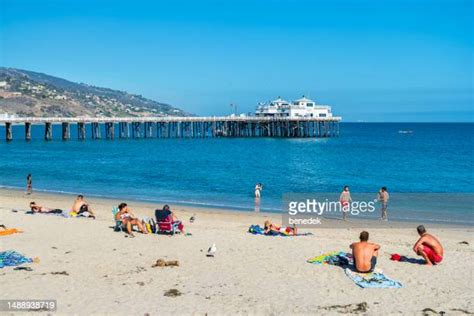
point(371, 60)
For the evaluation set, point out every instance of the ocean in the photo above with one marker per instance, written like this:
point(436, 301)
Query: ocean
point(415, 158)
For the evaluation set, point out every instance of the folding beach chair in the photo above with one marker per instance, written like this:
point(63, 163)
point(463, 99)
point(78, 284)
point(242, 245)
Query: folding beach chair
point(118, 223)
point(167, 226)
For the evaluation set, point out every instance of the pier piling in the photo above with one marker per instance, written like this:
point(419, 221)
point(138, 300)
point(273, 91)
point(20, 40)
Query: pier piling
point(109, 130)
point(95, 131)
point(136, 129)
point(66, 131)
point(81, 131)
point(27, 131)
point(8, 131)
point(48, 131)
point(123, 130)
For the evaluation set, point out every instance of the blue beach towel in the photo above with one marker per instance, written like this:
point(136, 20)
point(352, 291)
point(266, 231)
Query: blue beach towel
point(256, 230)
point(13, 258)
point(372, 280)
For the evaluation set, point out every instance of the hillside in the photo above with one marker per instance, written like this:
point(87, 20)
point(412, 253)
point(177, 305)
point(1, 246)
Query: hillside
point(27, 93)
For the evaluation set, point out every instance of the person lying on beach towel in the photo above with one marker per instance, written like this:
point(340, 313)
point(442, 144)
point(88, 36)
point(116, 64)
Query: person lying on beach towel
point(258, 230)
point(81, 208)
point(35, 208)
point(429, 247)
point(272, 229)
point(129, 219)
point(364, 253)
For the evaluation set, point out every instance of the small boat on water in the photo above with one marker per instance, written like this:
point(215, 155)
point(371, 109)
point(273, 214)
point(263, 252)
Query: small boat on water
point(405, 132)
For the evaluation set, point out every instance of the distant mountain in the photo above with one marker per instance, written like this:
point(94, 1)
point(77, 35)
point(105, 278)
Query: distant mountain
point(28, 93)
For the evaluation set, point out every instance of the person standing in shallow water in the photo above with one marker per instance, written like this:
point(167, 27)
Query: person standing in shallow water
point(383, 197)
point(258, 190)
point(345, 199)
point(29, 184)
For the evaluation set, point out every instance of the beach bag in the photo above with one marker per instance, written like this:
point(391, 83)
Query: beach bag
point(148, 227)
point(146, 224)
point(152, 224)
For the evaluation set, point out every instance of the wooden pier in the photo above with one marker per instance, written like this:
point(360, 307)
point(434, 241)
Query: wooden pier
point(180, 127)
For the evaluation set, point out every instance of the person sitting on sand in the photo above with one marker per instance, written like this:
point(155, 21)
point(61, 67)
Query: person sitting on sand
point(364, 254)
point(270, 229)
point(129, 219)
point(163, 214)
point(35, 208)
point(429, 247)
point(81, 207)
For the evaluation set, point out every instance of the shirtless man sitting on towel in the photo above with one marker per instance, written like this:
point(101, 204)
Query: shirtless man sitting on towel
point(365, 254)
point(81, 207)
point(428, 246)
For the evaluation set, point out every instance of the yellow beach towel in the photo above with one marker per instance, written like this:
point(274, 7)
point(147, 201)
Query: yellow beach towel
point(9, 231)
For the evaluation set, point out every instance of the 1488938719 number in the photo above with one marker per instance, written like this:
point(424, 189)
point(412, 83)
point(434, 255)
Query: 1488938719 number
point(28, 305)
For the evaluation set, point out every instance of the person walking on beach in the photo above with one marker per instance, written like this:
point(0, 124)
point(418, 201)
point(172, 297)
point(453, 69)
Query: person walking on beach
point(383, 197)
point(364, 253)
point(258, 190)
point(29, 184)
point(345, 199)
point(428, 246)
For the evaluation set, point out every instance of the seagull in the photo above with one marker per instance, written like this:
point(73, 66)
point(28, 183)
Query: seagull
point(211, 251)
point(192, 218)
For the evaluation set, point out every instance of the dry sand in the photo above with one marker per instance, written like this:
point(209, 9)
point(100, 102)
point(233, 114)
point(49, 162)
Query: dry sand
point(110, 274)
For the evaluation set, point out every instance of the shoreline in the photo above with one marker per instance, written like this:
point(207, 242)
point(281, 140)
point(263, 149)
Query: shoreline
point(221, 210)
point(146, 209)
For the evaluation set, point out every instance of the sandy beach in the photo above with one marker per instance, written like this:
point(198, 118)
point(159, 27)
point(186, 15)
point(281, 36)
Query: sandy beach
point(102, 272)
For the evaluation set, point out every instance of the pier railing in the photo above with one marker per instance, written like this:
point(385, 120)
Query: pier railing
point(57, 120)
point(181, 127)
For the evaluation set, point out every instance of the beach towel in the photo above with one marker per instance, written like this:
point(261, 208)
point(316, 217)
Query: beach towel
point(62, 214)
point(9, 231)
point(336, 258)
point(372, 280)
point(258, 230)
point(13, 258)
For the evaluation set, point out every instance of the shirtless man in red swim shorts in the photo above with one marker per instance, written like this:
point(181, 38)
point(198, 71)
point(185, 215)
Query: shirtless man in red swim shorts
point(429, 247)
